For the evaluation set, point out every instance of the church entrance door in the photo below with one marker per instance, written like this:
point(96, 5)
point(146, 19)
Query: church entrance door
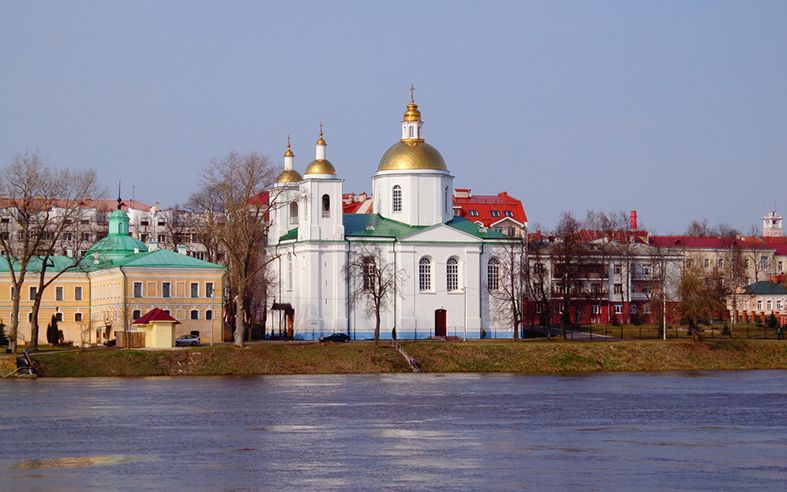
point(439, 323)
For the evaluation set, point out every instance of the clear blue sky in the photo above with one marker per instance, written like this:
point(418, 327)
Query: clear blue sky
point(676, 109)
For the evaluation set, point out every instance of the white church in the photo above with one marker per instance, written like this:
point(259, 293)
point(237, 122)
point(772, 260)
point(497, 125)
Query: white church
point(446, 262)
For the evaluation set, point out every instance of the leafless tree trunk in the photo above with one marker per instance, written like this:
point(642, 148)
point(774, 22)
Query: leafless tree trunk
point(567, 255)
point(236, 198)
point(373, 281)
point(507, 286)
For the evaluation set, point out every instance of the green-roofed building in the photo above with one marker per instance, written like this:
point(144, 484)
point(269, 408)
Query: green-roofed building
point(446, 264)
point(759, 300)
point(117, 281)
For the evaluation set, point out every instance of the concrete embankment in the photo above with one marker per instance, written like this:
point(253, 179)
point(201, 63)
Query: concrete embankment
point(364, 358)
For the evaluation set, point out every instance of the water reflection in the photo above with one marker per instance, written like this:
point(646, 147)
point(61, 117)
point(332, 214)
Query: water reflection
point(453, 432)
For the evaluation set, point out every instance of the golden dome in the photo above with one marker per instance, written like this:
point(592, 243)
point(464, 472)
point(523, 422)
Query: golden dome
point(289, 176)
point(321, 141)
point(411, 154)
point(320, 166)
point(289, 153)
point(412, 113)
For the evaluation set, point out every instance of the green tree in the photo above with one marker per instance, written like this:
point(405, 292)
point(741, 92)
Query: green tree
point(3, 339)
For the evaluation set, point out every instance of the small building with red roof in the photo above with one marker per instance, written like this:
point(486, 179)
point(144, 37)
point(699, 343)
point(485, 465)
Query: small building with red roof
point(501, 212)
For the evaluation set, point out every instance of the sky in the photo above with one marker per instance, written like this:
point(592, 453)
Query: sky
point(675, 109)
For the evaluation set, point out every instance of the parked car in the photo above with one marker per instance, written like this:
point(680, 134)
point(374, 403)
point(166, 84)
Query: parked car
point(187, 340)
point(336, 337)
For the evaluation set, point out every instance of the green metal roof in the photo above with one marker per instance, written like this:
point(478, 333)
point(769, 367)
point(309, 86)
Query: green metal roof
point(115, 247)
point(765, 287)
point(55, 264)
point(162, 258)
point(375, 225)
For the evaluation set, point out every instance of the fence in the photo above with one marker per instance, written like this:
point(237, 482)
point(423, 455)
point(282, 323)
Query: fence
point(674, 332)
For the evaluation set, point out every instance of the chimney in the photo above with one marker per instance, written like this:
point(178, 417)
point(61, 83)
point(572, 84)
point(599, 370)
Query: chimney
point(633, 220)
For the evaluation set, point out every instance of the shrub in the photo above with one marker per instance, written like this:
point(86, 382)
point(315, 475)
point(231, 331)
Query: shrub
point(3, 338)
point(772, 323)
point(52, 332)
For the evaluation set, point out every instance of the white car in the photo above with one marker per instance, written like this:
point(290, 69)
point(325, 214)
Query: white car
point(187, 340)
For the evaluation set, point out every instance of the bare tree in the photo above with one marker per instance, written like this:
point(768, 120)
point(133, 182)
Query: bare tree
point(177, 227)
point(506, 283)
point(235, 195)
point(205, 218)
point(567, 256)
point(41, 203)
point(373, 281)
point(71, 189)
point(538, 281)
point(698, 297)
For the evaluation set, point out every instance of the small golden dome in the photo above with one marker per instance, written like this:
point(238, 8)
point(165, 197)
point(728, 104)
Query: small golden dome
point(408, 155)
point(320, 166)
point(289, 176)
point(412, 113)
point(321, 141)
point(289, 153)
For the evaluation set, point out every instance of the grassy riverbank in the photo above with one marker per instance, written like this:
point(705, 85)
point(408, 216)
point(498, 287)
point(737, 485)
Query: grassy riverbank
point(362, 357)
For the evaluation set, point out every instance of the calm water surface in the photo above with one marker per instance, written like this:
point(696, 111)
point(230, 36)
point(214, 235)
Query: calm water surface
point(696, 431)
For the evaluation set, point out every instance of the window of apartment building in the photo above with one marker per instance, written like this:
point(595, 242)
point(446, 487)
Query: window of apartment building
point(633, 309)
point(508, 213)
point(495, 213)
point(538, 308)
point(646, 269)
point(763, 262)
point(720, 263)
point(689, 263)
point(194, 315)
point(77, 293)
point(746, 263)
point(472, 213)
point(135, 314)
point(59, 316)
point(144, 222)
point(209, 314)
point(618, 288)
point(748, 280)
point(779, 304)
point(759, 305)
point(30, 317)
point(595, 288)
point(144, 237)
point(646, 289)
point(768, 305)
point(161, 238)
point(595, 309)
point(209, 289)
point(137, 289)
point(33, 292)
point(84, 222)
point(58, 293)
point(646, 309)
point(67, 236)
point(85, 236)
point(5, 220)
point(706, 262)
point(78, 317)
point(780, 266)
point(166, 289)
point(618, 269)
point(162, 222)
point(194, 289)
point(618, 308)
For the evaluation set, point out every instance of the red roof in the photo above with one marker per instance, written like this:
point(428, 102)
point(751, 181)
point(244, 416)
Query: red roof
point(702, 242)
point(777, 243)
point(155, 314)
point(489, 209)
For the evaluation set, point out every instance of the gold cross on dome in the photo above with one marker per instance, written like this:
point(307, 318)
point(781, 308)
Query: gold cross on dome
point(412, 93)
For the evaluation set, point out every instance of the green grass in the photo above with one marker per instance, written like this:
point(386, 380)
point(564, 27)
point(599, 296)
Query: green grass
point(543, 356)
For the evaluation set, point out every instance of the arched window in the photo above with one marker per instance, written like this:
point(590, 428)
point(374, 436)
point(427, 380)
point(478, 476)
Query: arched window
point(425, 274)
point(326, 206)
point(369, 273)
point(397, 198)
point(209, 314)
point(493, 274)
point(289, 271)
point(194, 314)
point(452, 274)
point(411, 133)
point(294, 213)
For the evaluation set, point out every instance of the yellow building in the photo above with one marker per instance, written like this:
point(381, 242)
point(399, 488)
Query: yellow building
point(116, 282)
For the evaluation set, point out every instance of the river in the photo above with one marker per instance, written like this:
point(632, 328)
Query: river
point(668, 431)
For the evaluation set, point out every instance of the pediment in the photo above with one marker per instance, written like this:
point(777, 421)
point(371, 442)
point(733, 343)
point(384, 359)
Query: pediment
point(441, 233)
